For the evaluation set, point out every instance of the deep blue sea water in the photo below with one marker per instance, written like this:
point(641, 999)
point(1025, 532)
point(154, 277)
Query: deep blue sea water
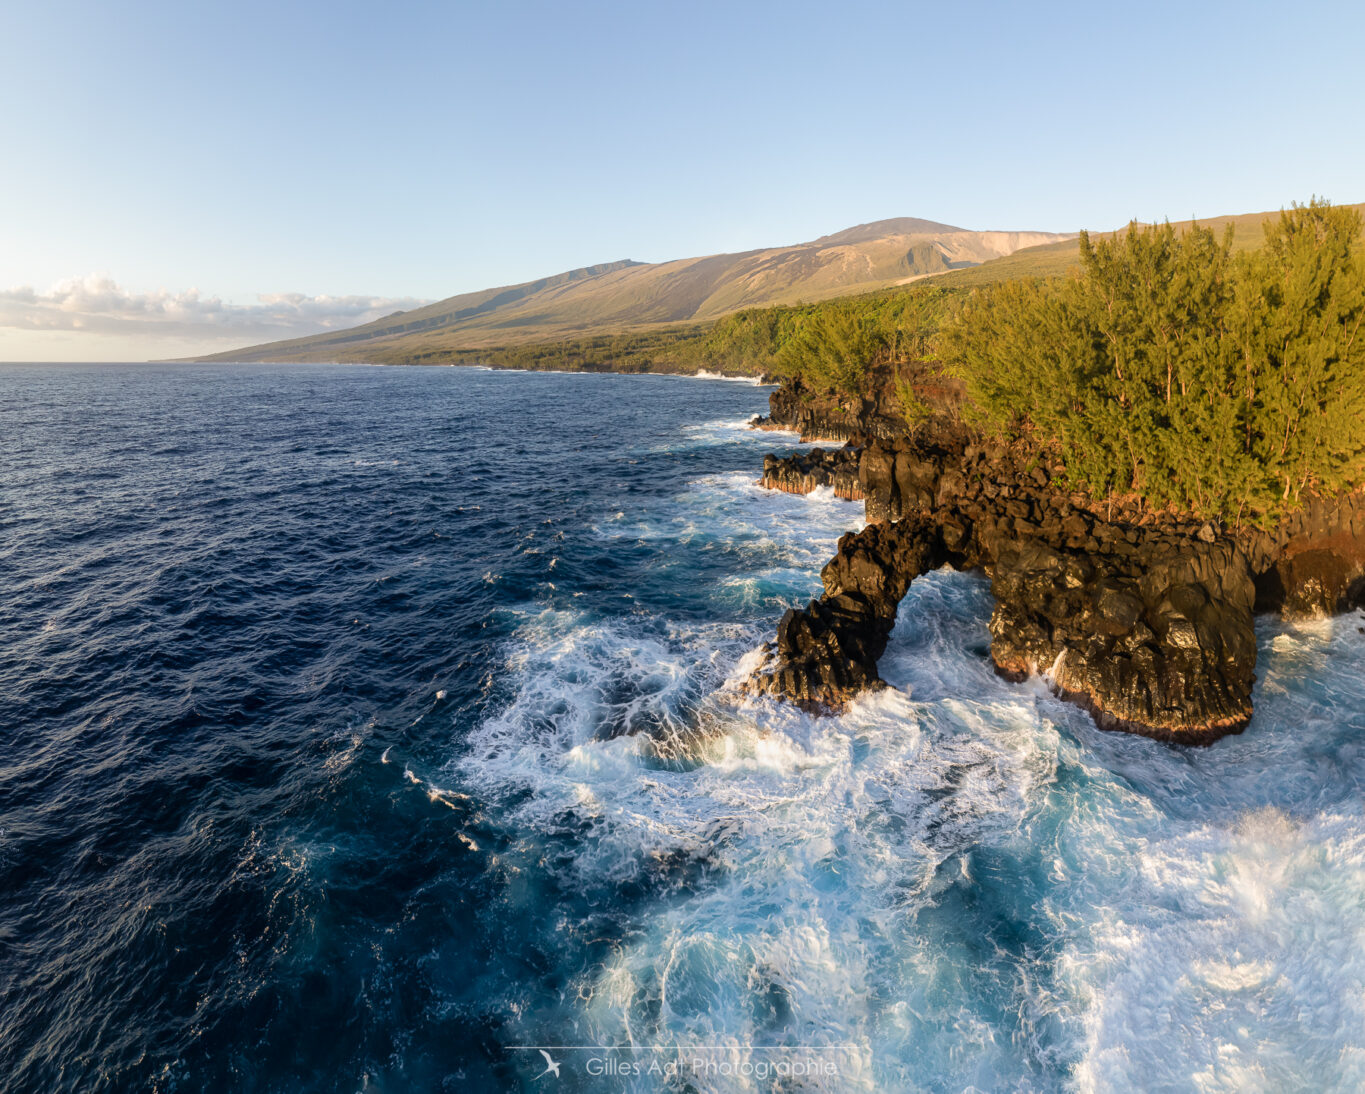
point(365, 728)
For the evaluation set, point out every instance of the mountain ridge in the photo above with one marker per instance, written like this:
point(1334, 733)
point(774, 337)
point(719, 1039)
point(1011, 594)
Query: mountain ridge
point(625, 295)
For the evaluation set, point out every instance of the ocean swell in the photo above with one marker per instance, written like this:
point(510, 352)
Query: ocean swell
point(358, 744)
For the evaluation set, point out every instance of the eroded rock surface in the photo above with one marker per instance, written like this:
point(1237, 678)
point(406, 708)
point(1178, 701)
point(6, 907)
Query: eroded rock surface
point(802, 472)
point(1144, 619)
point(827, 652)
point(1165, 647)
point(793, 407)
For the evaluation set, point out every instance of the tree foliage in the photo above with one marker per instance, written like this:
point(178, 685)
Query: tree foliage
point(832, 345)
point(1223, 384)
point(832, 348)
point(785, 339)
point(914, 410)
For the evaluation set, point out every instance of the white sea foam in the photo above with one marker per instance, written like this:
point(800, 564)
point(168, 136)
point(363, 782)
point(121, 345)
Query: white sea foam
point(728, 431)
point(822, 840)
point(1228, 962)
point(959, 882)
point(753, 381)
point(735, 431)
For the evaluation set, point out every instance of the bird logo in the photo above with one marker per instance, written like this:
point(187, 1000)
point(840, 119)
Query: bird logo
point(551, 1065)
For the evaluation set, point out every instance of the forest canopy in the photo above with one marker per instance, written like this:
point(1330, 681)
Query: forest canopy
point(830, 345)
point(1172, 364)
point(1223, 383)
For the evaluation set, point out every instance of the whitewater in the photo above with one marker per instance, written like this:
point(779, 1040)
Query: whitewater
point(379, 730)
point(959, 883)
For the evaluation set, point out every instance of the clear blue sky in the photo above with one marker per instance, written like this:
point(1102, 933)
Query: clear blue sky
point(402, 151)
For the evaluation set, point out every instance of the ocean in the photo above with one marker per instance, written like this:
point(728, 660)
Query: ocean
point(375, 729)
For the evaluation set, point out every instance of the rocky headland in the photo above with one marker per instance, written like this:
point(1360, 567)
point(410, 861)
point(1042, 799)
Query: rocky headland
point(794, 408)
point(1143, 618)
point(801, 473)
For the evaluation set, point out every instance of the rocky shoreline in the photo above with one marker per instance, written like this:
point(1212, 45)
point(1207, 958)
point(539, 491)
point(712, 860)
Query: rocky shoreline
point(793, 409)
point(1144, 619)
point(803, 472)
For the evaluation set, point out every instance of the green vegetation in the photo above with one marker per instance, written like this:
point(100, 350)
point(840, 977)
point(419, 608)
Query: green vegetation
point(745, 343)
point(830, 345)
point(1174, 366)
point(616, 299)
point(1204, 371)
point(914, 409)
point(1058, 259)
point(1218, 373)
point(665, 349)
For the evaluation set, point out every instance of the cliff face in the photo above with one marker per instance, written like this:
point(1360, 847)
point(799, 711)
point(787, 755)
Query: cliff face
point(795, 408)
point(803, 472)
point(1146, 621)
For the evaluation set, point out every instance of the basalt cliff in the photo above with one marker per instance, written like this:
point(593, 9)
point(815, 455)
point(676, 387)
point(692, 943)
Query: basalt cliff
point(1144, 619)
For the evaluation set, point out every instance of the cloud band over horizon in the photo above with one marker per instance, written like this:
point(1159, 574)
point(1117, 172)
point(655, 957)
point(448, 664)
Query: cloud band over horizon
point(96, 304)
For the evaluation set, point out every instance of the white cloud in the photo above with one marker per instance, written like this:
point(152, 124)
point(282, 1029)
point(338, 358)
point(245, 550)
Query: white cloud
point(98, 305)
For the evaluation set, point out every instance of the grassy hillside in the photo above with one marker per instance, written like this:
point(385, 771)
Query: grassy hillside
point(1053, 259)
point(755, 341)
point(694, 313)
point(625, 297)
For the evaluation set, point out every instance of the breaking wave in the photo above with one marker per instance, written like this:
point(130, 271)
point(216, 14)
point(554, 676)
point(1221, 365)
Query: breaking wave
point(417, 744)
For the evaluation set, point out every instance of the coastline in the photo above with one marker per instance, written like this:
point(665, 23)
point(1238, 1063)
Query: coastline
point(442, 703)
point(680, 371)
point(1145, 620)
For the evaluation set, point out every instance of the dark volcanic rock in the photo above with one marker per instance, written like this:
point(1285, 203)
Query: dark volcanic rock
point(826, 653)
point(1314, 564)
point(1168, 651)
point(803, 472)
point(1146, 620)
point(826, 418)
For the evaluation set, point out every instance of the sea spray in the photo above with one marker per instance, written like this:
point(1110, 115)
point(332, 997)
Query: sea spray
point(261, 854)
